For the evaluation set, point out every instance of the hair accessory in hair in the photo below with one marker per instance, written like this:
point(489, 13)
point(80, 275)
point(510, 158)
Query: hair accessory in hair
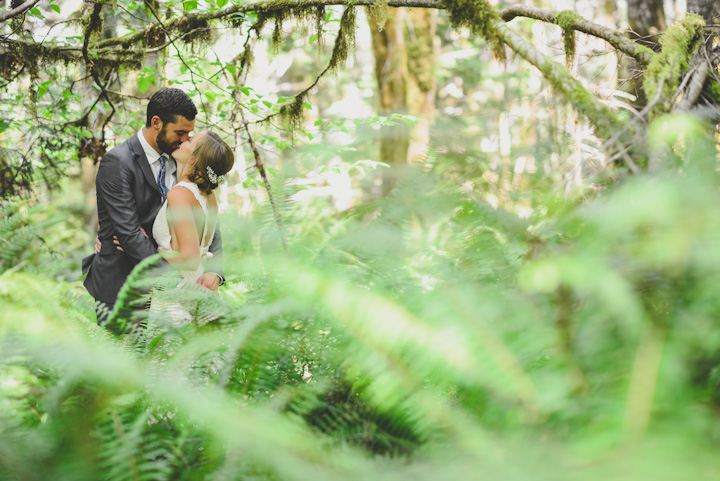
point(214, 178)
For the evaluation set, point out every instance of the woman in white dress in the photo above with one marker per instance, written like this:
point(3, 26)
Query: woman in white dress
point(185, 224)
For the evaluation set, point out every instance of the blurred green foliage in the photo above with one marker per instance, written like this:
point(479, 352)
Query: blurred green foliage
point(425, 334)
point(475, 323)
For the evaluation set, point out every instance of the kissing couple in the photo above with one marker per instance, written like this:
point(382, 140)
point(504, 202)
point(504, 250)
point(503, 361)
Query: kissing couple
point(160, 181)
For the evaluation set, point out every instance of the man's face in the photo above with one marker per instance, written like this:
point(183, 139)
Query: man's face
point(173, 134)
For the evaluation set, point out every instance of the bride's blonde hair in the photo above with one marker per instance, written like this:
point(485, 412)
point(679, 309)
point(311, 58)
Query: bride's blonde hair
point(211, 151)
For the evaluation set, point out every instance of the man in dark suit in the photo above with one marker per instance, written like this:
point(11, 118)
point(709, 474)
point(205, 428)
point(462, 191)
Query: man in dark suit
point(132, 183)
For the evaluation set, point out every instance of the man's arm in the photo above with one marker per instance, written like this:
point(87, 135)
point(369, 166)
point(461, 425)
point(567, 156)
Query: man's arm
point(114, 189)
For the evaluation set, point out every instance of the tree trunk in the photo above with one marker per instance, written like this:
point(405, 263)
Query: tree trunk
point(391, 76)
point(404, 51)
point(421, 85)
point(708, 9)
point(646, 19)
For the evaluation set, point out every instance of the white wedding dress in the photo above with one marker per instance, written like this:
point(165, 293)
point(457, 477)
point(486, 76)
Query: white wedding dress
point(163, 236)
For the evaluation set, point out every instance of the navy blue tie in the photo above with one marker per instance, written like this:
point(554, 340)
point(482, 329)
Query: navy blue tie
point(161, 178)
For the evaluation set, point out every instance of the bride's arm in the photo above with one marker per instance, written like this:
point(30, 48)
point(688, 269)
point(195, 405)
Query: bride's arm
point(182, 207)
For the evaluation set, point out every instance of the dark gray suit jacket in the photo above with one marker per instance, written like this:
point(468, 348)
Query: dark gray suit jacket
point(128, 198)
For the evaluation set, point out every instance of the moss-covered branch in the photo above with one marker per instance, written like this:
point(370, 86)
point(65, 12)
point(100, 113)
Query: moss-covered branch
point(19, 10)
point(613, 37)
point(680, 44)
point(51, 53)
point(271, 7)
point(600, 116)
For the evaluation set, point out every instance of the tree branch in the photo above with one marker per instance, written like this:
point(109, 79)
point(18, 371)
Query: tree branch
point(698, 76)
point(18, 10)
point(602, 118)
point(263, 173)
point(613, 37)
point(267, 6)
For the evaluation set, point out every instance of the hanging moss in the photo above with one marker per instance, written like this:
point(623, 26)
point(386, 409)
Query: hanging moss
point(130, 59)
point(677, 47)
point(345, 40)
point(154, 36)
point(195, 32)
point(566, 20)
point(319, 24)
point(10, 64)
point(479, 17)
point(292, 113)
point(378, 14)
point(276, 40)
point(281, 11)
point(35, 56)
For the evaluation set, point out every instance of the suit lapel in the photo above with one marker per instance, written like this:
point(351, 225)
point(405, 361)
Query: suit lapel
point(142, 161)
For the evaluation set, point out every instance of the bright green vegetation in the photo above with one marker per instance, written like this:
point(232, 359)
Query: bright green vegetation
point(514, 308)
point(565, 19)
point(430, 335)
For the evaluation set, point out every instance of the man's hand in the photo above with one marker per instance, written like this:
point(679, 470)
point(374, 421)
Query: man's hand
point(97, 245)
point(210, 281)
point(117, 242)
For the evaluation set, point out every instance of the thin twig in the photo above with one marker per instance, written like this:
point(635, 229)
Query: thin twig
point(263, 173)
point(18, 10)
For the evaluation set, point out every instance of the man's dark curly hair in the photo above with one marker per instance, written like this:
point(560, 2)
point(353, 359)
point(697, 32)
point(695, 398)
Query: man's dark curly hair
point(167, 103)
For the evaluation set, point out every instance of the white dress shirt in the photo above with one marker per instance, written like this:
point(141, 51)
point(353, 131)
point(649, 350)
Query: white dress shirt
point(153, 158)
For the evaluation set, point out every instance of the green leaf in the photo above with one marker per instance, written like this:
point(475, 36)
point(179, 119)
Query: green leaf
point(130, 8)
point(43, 88)
point(143, 84)
point(319, 122)
point(409, 119)
point(56, 8)
point(35, 11)
point(245, 90)
point(267, 104)
point(307, 105)
point(190, 5)
point(222, 3)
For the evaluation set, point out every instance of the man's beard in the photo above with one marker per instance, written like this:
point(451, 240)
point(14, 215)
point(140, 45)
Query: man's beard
point(164, 144)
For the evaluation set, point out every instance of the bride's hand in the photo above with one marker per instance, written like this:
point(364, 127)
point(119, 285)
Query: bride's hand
point(209, 281)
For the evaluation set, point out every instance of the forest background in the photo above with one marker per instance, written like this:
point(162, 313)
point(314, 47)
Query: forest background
point(462, 240)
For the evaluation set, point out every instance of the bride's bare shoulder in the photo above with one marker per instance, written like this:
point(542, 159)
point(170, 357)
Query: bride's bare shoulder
point(180, 196)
